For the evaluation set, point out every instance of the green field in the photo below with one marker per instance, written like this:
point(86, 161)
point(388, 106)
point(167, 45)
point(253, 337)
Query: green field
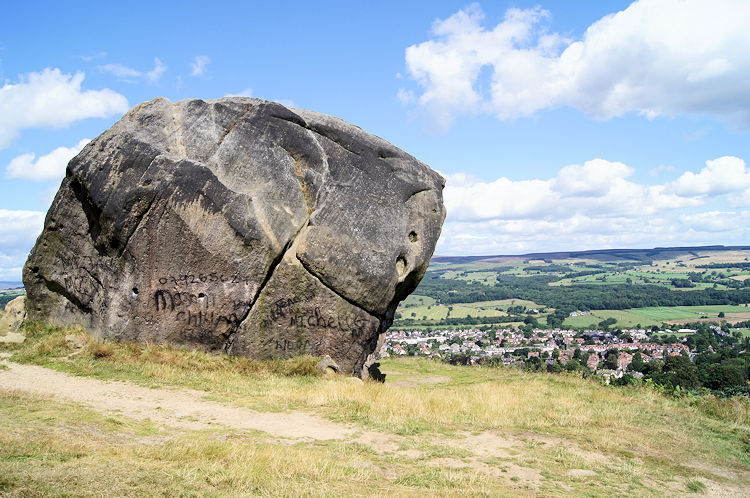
point(662, 313)
point(504, 325)
point(657, 315)
point(417, 300)
point(418, 307)
point(648, 273)
point(625, 319)
point(443, 311)
point(423, 308)
point(482, 277)
point(504, 304)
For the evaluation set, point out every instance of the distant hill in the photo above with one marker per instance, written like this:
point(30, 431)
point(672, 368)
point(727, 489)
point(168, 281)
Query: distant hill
point(656, 253)
point(6, 284)
point(677, 284)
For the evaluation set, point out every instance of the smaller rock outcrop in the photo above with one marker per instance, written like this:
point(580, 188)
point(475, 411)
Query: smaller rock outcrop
point(15, 313)
point(328, 366)
point(11, 320)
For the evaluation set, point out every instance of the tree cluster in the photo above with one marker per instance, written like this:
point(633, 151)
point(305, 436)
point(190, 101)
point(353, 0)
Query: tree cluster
point(585, 296)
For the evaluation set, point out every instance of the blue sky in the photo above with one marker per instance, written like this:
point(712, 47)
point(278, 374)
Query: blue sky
point(558, 127)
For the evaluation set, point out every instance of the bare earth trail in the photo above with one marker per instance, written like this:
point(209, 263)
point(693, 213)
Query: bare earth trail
point(178, 408)
point(187, 409)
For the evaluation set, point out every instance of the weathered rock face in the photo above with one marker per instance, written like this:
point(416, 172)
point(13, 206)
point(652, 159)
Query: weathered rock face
point(15, 312)
point(236, 225)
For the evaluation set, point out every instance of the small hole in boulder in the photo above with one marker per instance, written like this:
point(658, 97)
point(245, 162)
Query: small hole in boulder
point(401, 266)
point(134, 292)
point(413, 236)
point(201, 297)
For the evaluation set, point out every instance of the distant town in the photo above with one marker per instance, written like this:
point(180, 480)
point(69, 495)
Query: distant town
point(609, 354)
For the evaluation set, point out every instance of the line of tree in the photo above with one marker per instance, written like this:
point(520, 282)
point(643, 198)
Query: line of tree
point(547, 269)
point(722, 363)
point(584, 273)
point(741, 266)
point(587, 296)
point(468, 320)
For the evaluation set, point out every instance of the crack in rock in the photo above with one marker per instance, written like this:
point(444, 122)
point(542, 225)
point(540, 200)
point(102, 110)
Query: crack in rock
point(297, 235)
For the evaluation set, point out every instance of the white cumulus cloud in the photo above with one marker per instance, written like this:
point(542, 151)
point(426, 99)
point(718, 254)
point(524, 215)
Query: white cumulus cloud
point(247, 92)
point(52, 99)
point(19, 229)
point(91, 57)
point(285, 102)
point(724, 175)
point(120, 71)
point(714, 221)
point(596, 178)
point(18, 232)
point(154, 75)
point(198, 66)
point(656, 58)
point(48, 167)
point(590, 206)
point(598, 187)
point(126, 73)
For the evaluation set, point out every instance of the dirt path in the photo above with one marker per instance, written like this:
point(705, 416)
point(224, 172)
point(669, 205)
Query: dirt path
point(8, 336)
point(178, 408)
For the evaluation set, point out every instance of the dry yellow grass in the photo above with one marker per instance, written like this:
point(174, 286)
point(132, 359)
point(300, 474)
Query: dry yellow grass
point(636, 440)
point(53, 448)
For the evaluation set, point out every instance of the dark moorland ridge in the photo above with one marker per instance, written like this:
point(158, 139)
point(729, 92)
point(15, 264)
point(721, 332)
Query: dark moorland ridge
point(627, 254)
point(5, 284)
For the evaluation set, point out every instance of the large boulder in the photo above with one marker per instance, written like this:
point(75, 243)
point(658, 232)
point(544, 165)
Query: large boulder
point(236, 225)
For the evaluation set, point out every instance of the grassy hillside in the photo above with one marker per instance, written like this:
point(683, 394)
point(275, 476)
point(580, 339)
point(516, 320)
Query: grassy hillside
point(430, 429)
point(656, 287)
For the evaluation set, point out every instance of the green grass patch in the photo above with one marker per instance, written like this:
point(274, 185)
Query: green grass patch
point(625, 319)
point(654, 315)
point(443, 311)
point(695, 486)
point(663, 313)
point(417, 300)
point(504, 304)
point(481, 277)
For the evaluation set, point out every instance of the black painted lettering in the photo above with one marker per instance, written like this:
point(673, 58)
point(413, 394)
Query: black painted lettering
point(160, 300)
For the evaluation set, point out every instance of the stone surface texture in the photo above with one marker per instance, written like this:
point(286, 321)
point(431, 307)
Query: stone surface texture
point(237, 225)
point(15, 312)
